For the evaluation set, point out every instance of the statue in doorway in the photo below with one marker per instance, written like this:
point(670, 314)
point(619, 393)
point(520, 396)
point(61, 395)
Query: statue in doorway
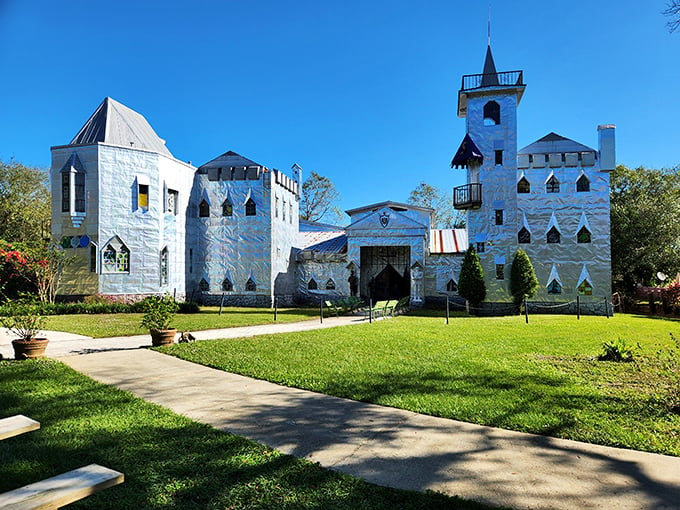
point(353, 283)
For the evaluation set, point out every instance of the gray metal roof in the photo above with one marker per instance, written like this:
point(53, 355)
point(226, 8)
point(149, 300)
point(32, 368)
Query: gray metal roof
point(229, 159)
point(397, 206)
point(324, 242)
point(115, 124)
point(553, 143)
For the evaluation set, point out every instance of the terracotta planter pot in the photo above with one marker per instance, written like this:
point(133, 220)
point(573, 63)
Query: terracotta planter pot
point(161, 337)
point(30, 349)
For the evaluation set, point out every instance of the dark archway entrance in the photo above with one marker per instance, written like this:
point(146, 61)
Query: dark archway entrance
point(385, 272)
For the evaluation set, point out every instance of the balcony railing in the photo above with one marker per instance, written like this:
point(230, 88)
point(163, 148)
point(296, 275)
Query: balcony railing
point(468, 196)
point(504, 79)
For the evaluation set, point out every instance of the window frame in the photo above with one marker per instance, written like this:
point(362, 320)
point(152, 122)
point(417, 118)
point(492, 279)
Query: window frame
point(521, 186)
point(552, 185)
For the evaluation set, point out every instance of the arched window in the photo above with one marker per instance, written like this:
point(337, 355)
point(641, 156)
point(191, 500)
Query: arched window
point(585, 288)
point(330, 284)
point(227, 286)
point(492, 113)
point(164, 266)
point(204, 209)
point(582, 184)
point(203, 285)
point(451, 286)
point(250, 285)
point(554, 287)
point(524, 236)
point(583, 235)
point(227, 208)
point(553, 185)
point(523, 186)
point(311, 285)
point(251, 209)
point(553, 236)
point(116, 257)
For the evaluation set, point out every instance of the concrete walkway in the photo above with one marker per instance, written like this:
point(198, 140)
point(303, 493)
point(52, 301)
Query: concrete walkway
point(67, 344)
point(383, 445)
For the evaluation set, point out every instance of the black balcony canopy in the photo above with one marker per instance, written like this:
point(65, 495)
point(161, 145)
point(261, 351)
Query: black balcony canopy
point(467, 153)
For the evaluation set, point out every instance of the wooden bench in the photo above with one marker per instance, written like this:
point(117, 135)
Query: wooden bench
point(62, 489)
point(15, 425)
point(333, 309)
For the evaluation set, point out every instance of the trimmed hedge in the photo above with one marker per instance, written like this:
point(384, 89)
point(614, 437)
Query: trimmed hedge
point(98, 308)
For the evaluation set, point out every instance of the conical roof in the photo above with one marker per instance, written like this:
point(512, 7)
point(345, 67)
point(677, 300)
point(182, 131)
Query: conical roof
point(467, 152)
point(115, 124)
point(490, 76)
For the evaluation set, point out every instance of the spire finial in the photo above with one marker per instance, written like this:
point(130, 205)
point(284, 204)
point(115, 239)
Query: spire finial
point(488, 28)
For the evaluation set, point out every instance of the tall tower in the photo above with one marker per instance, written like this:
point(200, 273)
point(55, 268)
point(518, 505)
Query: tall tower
point(489, 101)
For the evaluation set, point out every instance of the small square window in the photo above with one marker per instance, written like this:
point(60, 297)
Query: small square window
point(480, 247)
point(499, 216)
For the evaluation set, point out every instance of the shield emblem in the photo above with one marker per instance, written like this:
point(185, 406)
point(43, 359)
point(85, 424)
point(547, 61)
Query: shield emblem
point(384, 219)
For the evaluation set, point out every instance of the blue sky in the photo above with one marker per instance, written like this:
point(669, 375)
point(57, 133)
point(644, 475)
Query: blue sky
point(363, 92)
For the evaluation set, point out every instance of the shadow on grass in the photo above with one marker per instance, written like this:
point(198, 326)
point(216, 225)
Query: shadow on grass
point(168, 461)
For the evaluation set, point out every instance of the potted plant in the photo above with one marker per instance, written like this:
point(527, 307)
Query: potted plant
point(23, 319)
point(158, 314)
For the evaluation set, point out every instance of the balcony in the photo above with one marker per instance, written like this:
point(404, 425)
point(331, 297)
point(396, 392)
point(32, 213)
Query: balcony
point(504, 79)
point(468, 196)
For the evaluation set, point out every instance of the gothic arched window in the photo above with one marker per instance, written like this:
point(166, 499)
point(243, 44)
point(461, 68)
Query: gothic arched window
point(524, 236)
point(523, 186)
point(451, 286)
point(251, 209)
point(583, 235)
point(553, 185)
point(330, 284)
point(204, 209)
point(582, 184)
point(250, 285)
point(554, 287)
point(553, 236)
point(311, 285)
point(227, 286)
point(227, 208)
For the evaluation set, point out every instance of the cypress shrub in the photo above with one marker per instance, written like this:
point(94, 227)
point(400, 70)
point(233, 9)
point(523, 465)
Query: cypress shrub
point(523, 281)
point(471, 280)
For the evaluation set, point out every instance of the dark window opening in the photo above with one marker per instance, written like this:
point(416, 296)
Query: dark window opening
point(227, 208)
point(250, 285)
point(203, 285)
point(492, 113)
point(500, 271)
point(499, 216)
point(582, 184)
point(451, 286)
point(227, 286)
point(553, 236)
point(583, 235)
point(80, 192)
point(311, 285)
point(251, 209)
point(585, 289)
point(524, 236)
point(143, 197)
point(204, 209)
point(93, 258)
point(498, 154)
point(479, 247)
point(554, 287)
point(523, 186)
point(553, 185)
point(330, 284)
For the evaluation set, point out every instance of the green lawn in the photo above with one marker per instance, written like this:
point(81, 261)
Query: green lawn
point(123, 324)
point(168, 460)
point(543, 377)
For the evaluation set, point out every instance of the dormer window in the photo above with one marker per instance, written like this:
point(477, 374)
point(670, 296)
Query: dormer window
point(227, 286)
point(524, 236)
point(552, 185)
point(227, 208)
point(330, 284)
point(492, 113)
point(451, 286)
point(312, 285)
point(251, 208)
point(582, 184)
point(204, 209)
point(523, 186)
point(583, 235)
point(553, 236)
point(554, 287)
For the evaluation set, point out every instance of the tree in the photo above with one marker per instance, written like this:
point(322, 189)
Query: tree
point(24, 204)
point(444, 216)
point(673, 12)
point(471, 279)
point(318, 196)
point(523, 281)
point(645, 224)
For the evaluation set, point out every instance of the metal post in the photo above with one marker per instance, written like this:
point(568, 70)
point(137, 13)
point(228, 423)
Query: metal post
point(221, 304)
point(276, 299)
point(578, 307)
point(526, 311)
point(174, 294)
point(321, 310)
point(370, 310)
point(447, 309)
point(606, 307)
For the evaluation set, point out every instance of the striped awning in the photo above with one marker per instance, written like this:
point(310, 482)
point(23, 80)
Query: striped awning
point(448, 240)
